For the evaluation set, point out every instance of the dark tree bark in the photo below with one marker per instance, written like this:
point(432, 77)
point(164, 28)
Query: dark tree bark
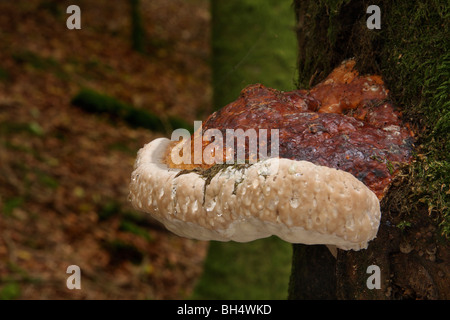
point(410, 51)
point(314, 270)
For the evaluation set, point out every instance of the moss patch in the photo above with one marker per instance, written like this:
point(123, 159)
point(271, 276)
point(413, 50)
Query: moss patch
point(415, 63)
point(94, 102)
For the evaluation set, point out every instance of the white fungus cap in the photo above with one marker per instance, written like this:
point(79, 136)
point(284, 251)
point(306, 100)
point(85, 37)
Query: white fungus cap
point(298, 201)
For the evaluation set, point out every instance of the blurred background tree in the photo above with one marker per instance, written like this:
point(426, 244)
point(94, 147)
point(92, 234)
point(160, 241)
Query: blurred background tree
point(252, 41)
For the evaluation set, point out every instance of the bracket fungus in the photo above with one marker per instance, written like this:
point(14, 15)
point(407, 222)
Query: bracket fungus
point(340, 145)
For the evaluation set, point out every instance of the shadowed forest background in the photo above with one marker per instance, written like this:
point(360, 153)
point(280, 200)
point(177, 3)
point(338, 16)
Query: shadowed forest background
point(76, 106)
point(65, 171)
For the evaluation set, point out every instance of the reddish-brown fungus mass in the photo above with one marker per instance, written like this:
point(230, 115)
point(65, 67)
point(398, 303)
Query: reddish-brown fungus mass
point(345, 122)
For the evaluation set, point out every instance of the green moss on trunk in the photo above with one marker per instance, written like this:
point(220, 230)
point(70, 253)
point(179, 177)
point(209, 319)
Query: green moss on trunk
point(94, 102)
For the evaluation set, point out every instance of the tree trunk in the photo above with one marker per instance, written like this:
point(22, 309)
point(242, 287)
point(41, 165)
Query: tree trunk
point(314, 269)
point(410, 51)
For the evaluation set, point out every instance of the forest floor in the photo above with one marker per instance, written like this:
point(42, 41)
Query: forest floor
point(64, 173)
